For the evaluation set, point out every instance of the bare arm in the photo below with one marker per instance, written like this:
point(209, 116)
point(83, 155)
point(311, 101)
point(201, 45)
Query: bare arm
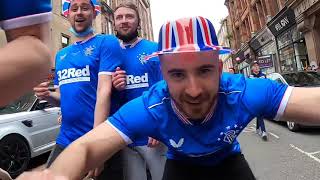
point(24, 63)
point(102, 108)
point(303, 105)
point(88, 152)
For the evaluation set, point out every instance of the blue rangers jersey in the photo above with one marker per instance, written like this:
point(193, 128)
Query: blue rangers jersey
point(20, 13)
point(78, 67)
point(210, 141)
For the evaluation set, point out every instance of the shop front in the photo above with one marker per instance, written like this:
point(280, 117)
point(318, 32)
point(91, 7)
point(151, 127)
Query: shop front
point(307, 13)
point(243, 58)
point(265, 51)
point(290, 43)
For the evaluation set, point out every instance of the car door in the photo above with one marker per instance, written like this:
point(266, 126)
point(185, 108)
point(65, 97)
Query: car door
point(43, 126)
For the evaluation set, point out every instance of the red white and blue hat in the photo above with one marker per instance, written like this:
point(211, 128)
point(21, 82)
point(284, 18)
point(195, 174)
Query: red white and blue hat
point(188, 35)
point(66, 6)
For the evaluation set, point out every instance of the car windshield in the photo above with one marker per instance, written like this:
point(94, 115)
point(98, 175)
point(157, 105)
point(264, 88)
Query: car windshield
point(302, 79)
point(24, 103)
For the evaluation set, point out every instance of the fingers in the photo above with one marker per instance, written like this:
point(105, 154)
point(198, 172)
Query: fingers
point(119, 79)
point(153, 142)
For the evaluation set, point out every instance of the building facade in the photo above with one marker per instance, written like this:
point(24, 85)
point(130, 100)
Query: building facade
point(249, 20)
point(224, 38)
point(307, 17)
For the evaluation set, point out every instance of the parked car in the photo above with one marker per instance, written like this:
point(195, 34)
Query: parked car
point(298, 79)
point(28, 128)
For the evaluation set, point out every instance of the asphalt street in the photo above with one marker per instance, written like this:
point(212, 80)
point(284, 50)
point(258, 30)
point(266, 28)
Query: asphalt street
point(285, 156)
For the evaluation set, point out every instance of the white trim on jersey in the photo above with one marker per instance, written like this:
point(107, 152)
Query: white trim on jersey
point(283, 103)
point(26, 21)
point(105, 73)
point(229, 92)
point(152, 106)
point(125, 137)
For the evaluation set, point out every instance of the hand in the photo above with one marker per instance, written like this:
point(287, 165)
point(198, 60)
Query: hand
point(119, 79)
point(44, 175)
point(42, 90)
point(95, 173)
point(59, 119)
point(153, 142)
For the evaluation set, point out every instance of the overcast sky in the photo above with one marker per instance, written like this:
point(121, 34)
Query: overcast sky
point(164, 10)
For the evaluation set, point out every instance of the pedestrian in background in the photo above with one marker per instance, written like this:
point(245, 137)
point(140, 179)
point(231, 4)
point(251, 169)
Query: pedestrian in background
point(260, 126)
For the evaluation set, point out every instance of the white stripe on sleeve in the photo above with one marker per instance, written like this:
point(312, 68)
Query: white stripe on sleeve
point(283, 103)
point(125, 137)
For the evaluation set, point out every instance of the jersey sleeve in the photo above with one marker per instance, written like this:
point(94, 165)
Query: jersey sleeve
point(110, 56)
point(16, 13)
point(133, 121)
point(266, 98)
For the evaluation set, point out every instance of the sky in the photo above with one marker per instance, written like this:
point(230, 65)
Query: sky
point(165, 10)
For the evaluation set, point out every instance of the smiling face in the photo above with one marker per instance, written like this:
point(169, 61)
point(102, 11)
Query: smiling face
point(193, 80)
point(81, 15)
point(126, 22)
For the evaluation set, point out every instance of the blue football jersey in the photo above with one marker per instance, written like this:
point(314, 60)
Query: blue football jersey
point(141, 74)
point(17, 13)
point(207, 142)
point(77, 69)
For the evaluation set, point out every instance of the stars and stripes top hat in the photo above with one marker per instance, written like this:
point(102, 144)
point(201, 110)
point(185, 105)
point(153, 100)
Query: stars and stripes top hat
point(188, 35)
point(66, 6)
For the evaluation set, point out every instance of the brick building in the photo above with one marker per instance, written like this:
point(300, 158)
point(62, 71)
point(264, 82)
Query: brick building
point(224, 38)
point(249, 20)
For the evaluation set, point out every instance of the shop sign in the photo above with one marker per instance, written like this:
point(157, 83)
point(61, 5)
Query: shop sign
point(304, 6)
point(265, 61)
point(261, 39)
point(282, 22)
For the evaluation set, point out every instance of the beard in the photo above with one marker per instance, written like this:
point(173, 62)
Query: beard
point(129, 37)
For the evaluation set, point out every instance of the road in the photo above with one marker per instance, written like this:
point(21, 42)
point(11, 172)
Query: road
point(285, 156)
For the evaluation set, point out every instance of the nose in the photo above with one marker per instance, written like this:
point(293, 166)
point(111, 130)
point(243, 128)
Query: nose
point(193, 89)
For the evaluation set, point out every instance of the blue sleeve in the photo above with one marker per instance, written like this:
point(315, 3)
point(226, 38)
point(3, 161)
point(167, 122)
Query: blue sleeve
point(17, 13)
point(110, 56)
point(263, 97)
point(133, 121)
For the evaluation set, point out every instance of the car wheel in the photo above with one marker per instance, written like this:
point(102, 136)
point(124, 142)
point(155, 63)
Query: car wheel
point(292, 126)
point(14, 155)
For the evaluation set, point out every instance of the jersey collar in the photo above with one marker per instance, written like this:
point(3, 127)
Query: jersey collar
point(127, 46)
point(185, 119)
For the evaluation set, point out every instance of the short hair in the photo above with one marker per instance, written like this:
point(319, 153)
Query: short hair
point(90, 3)
point(129, 5)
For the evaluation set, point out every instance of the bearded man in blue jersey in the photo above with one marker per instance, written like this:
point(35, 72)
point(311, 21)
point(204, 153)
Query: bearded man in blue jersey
point(197, 112)
point(83, 79)
point(139, 76)
point(26, 58)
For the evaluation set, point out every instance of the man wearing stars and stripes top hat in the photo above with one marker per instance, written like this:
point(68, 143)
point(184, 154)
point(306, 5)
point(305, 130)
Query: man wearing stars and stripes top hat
point(197, 111)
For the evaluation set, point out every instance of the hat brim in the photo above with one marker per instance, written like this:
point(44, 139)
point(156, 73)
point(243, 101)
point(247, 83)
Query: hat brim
point(220, 49)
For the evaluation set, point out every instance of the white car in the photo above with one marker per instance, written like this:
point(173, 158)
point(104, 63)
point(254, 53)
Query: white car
point(298, 79)
point(28, 128)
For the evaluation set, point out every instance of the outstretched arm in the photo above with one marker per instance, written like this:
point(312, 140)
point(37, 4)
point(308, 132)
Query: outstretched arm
point(303, 105)
point(88, 152)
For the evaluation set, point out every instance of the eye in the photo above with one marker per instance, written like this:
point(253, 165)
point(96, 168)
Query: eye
point(177, 75)
point(205, 71)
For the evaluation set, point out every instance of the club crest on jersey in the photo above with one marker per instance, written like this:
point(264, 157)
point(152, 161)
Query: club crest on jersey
point(88, 51)
point(230, 134)
point(142, 58)
point(176, 145)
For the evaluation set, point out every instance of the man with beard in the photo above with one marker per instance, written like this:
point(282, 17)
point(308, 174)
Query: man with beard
point(197, 112)
point(139, 76)
point(26, 58)
point(83, 79)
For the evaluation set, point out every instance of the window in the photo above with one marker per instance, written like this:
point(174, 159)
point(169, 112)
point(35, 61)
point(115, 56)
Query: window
point(65, 40)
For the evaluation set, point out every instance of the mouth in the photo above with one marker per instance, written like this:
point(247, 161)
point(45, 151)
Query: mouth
point(79, 20)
